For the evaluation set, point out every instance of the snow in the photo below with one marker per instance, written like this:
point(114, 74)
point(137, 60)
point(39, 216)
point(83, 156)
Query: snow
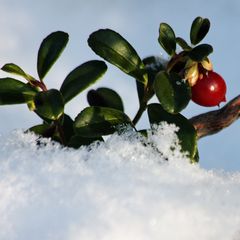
point(121, 189)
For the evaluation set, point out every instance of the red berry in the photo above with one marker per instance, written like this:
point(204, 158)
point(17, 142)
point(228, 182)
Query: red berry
point(210, 90)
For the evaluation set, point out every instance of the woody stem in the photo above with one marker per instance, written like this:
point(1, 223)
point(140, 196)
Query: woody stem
point(214, 121)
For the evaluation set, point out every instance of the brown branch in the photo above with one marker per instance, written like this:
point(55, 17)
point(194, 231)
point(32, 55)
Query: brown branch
point(214, 121)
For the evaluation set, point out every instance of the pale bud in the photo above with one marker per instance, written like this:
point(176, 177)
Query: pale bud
point(207, 64)
point(191, 72)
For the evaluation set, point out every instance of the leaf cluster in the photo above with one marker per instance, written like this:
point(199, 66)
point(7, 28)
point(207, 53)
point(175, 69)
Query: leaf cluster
point(106, 110)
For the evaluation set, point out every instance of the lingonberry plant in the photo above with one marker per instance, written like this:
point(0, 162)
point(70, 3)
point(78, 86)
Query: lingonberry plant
point(187, 74)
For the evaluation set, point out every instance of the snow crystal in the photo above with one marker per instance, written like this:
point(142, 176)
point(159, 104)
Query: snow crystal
point(121, 189)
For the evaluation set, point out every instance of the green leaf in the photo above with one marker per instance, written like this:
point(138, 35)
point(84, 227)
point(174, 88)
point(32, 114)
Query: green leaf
point(199, 29)
point(105, 97)
point(43, 130)
point(99, 121)
point(167, 38)
point(13, 91)
point(53, 130)
point(67, 127)
point(183, 44)
point(173, 92)
point(200, 52)
point(111, 46)
point(77, 141)
point(186, 133)
point(81, 78)
point(13, 68)
point(49, 104)
point(49, 51)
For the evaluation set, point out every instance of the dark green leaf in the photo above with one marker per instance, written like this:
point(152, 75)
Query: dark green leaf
point(186, 133)
point(67, 127)
point(49, 104)
point(200, 52)
point(43, 130)
point(61, 133)
point(105, 97)
point(99, 121)
point(167, 38)
point(77, 141)
point(199, 29)
point(173, 92)
point(81, 78)
point(111, 46)
point(183, 44)
point(49, 51)
point(13, 91)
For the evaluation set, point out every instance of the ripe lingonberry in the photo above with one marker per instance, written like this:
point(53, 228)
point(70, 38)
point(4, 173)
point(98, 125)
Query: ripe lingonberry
point(209, 90)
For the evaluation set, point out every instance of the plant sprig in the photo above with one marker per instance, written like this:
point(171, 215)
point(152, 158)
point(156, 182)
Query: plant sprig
point(106, 110)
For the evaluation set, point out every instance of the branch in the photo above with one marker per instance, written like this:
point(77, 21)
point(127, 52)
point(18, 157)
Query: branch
point(214, 121)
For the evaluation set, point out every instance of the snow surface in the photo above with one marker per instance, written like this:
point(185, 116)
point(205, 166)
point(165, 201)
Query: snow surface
point(120, 189)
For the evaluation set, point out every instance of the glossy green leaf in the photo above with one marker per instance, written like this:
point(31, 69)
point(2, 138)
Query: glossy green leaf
point(49, 51)
point(183, 44)
point(99, 121)
point(200, 52)
point(81, 78)
point(105, 97)
point(167, 38)
point(186, 133)
point(199, 29)
point(49, 104)
point(77, 141)
point(111, 46)
point(13, 91)
point(173, 92)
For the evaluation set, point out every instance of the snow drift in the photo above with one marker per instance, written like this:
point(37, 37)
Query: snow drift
point(120, 189)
